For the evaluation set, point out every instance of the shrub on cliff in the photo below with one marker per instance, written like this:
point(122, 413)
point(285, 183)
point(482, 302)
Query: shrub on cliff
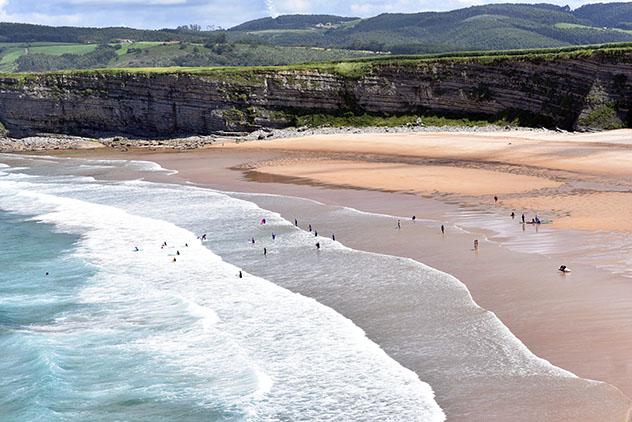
point(603, 116)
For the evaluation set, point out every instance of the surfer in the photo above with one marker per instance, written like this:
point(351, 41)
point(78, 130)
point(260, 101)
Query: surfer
point(564, 269)
point(186, 245)
point(273, 236)
point(295, 222)
point(442, 229)
point(174, 259)
point(204, 236)
point(240, 275)
point(263, 221)
point(265, 252)
point(318, 245)
point(315, 233)
point(475, 244)
point(495, 199)
point(513, 215)
point(414, 218)
point(252, 240)
point(523, 219)
point(399, 224)
point(136, 249)
point(178, 253)
point(333, 237)
point(309, 226)
point(46, 272)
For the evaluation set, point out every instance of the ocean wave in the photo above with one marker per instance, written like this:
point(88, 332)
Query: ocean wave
point(192, 333)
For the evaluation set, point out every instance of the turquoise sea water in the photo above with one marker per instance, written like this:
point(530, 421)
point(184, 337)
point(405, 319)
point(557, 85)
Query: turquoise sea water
point(167, 333)
point(30, 301)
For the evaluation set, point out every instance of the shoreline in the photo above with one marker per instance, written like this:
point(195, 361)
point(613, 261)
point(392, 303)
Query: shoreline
point(500, 277)
point(59, 142)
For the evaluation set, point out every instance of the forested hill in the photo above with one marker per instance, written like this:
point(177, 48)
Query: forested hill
point(488, 27)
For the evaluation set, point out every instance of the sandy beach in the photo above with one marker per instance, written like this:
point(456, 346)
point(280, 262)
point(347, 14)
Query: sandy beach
point(579, 321)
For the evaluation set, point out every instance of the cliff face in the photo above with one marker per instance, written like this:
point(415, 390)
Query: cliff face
point(571, 92)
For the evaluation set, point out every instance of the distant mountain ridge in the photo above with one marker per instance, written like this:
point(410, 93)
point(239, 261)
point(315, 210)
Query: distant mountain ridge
point(487, 27)
point(293, 22)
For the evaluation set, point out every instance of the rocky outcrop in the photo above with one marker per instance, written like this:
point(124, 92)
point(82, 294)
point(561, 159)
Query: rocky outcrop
point(546, 90)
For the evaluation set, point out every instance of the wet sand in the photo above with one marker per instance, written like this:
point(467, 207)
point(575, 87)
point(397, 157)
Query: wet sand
point(578, 321)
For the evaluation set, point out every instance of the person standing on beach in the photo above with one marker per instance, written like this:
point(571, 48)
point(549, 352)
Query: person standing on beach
point(442, 229)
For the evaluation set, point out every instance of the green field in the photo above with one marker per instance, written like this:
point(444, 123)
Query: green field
point(10, 52)
point(564, 25)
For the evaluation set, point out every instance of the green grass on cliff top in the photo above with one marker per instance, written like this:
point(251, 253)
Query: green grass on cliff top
point(355, 68)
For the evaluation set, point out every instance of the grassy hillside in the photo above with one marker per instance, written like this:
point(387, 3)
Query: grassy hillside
point(21, 57)
point(356, 68)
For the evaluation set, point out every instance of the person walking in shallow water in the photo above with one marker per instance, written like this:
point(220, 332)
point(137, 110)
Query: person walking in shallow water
point(475, 244)
point(442, 229)
point(241, 275)
point(523, 218)
point(333, 237)
point(265, 251)
point(399, 224)
point(318, 245)
point(309, 226)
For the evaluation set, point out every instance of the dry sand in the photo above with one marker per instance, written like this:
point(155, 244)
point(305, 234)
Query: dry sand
point(582, 166)
point(400, 177)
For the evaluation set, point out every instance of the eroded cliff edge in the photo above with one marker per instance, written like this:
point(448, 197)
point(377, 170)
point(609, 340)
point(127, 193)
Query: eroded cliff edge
point(576, 90)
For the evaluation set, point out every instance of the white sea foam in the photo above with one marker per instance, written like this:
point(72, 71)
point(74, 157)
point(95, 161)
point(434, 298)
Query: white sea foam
point(274, 353)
